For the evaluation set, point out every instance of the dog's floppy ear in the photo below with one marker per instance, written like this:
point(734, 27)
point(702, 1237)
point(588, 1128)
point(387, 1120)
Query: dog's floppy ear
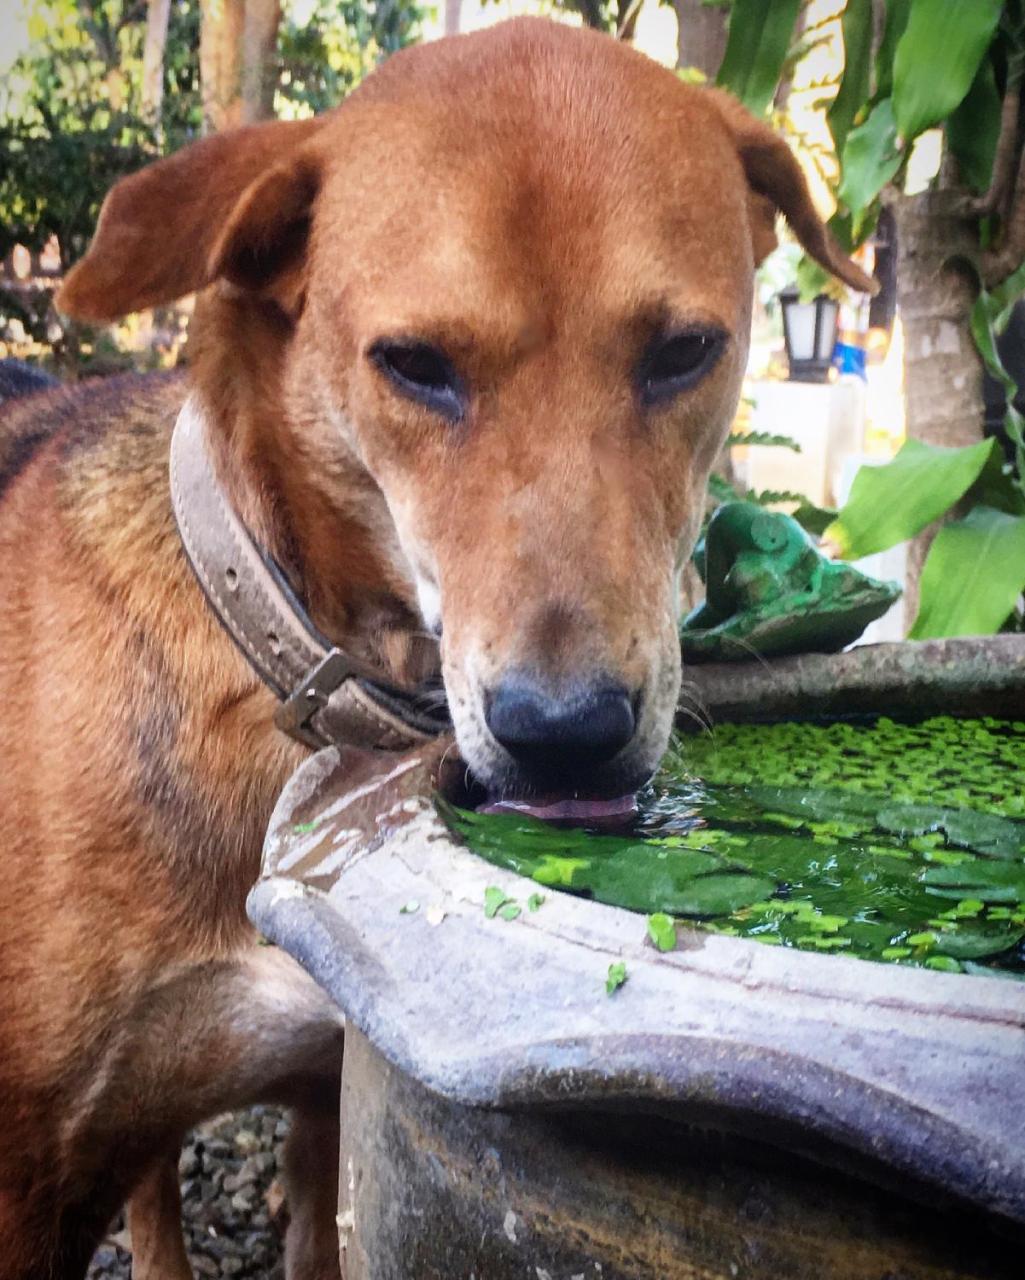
point(159, 229)
point(778, 186)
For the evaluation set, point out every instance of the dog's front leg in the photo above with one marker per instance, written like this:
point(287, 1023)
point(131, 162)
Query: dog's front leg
point(217, 1036)
point(154, 1224)
point(311, 1184)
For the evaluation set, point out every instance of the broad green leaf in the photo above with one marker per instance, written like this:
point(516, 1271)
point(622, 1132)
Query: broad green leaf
point(870, 159)
point(855, 86)
point(896, 20)
point(662, 931)
point(894, 502)
point(937, 59)
point(973, 575)
point(974, 126)
point(756, 49)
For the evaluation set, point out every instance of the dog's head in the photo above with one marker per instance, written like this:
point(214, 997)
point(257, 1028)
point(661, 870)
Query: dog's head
point(504, 296)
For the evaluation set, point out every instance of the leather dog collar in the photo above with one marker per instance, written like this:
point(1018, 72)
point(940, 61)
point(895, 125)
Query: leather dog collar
point(327, 696)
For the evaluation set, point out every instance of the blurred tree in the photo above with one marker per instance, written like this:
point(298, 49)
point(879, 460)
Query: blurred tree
point(259, 59)
point(220, 62)
point(158, 13)
point(107, 85)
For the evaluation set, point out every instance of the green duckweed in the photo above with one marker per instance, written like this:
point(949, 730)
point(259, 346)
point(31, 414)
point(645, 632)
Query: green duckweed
point(886, 841)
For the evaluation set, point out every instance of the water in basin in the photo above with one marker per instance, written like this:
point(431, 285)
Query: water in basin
point(886, 841)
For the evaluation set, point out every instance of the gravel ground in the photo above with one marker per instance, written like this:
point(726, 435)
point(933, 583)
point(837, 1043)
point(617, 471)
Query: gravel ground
point(230, 1195)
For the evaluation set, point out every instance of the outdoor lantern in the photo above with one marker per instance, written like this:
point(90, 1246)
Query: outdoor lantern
point(809, 331)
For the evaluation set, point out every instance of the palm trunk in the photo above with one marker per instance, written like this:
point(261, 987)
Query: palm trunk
point(942, 368)
point(700, 36)
point(220, 63)
point(259, 63)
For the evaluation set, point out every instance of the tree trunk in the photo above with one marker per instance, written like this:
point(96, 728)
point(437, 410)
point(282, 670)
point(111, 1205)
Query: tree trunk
point(700, 36)
point(157, 14)
point(259, 60)
point(453, 16)
point(220, 63)
point(942, 368)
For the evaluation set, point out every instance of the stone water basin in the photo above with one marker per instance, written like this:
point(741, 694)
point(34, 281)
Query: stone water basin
point(733, 1110)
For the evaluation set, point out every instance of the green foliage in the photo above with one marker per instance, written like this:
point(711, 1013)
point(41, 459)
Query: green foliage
point(70, 117)
point(756, 50)
point(973, 575)
point(990, 316)
point(856, 24)
point(891, 503)
point(762, 438)
point(936, 59)
point(974, 126)
point(326, 55)
point(869, 161)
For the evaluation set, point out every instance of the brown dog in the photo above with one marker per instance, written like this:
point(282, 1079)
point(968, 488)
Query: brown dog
point(467, 349)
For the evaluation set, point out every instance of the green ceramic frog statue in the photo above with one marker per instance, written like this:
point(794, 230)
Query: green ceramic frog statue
point(770, 591)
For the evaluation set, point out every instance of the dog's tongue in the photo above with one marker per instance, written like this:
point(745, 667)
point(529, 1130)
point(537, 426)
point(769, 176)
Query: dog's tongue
point(576, 810)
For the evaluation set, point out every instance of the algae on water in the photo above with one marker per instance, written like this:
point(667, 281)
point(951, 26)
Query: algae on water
point(891, 842)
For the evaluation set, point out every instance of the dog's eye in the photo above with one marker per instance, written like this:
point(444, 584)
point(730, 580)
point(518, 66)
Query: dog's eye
point(423, 374)
point(678, 363)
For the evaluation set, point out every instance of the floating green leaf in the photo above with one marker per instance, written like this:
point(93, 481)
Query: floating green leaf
point(616, 977)
point(989, 881)
point(494, 899)
point(662, 931)
point(886, 841)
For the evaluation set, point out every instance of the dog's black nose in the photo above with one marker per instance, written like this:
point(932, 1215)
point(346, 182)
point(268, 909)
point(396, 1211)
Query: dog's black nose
point(562, 735)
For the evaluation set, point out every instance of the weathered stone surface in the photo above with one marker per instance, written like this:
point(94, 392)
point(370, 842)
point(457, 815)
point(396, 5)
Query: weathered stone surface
point(974, 675)
point(891, 1077)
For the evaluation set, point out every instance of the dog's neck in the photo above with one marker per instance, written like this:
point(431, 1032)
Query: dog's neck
point(331, 534)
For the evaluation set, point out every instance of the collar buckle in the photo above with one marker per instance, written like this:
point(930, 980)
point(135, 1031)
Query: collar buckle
point(294, 716)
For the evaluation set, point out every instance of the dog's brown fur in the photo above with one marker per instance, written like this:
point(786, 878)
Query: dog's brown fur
point(535, 201)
